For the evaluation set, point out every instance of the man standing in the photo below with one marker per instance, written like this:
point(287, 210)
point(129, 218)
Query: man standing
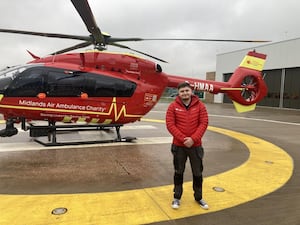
point(187, 121)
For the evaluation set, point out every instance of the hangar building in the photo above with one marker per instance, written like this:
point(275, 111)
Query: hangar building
point(281, 73)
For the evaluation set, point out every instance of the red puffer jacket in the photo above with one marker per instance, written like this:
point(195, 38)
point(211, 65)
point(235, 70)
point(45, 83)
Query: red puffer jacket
point(191, 122)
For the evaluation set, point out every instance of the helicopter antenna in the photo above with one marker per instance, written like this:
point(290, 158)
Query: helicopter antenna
point(33, 55)
point(53, 58)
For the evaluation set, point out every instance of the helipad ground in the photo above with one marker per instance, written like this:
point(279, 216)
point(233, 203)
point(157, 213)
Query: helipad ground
point(252, 158)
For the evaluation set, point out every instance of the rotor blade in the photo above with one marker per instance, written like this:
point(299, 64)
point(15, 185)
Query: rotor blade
point(202, 39)
point(80, 45)
point(143, 53)
point(52, 35)
point(181, 39)
point(85, 12)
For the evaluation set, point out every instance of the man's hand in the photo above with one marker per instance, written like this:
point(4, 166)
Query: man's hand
point(188, 142)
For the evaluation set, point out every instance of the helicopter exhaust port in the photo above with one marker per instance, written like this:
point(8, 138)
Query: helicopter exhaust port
point(158, 68)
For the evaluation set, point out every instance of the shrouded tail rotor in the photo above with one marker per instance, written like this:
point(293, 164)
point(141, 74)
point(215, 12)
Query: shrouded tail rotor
point(250, 88)
point(247, 86)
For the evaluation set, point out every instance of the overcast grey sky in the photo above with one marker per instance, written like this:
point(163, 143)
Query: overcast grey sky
point(221, 19)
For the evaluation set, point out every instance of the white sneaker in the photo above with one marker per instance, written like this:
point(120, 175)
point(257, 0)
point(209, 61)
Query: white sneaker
point(175, 203)
point(203, 204)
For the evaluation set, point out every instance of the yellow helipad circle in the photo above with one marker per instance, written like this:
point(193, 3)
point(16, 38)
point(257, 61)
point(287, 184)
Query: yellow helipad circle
point(267, 169)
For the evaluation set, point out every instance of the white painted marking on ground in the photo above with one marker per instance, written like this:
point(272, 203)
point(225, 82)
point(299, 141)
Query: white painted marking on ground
point(33, 146)
point(255, 119)
point(245, 118)
point(136, 127)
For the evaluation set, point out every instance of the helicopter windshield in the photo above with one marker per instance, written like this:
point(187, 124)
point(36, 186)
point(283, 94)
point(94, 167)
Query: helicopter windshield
point(8, 74)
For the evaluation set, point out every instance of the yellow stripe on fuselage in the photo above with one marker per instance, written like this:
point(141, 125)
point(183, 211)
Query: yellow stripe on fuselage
point(113, 111)
point(252, 62)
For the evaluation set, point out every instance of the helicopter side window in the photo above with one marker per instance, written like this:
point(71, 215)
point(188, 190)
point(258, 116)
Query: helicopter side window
point(62, 84)
point(27, 84)
point(104, 86)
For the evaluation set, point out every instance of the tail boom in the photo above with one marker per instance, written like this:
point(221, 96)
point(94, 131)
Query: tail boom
point(246, 86)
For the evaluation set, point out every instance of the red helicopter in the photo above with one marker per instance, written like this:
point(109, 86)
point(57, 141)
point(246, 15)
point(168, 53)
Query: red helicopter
point(104, 89)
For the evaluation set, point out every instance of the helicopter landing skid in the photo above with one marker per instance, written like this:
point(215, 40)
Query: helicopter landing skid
point(51, 131)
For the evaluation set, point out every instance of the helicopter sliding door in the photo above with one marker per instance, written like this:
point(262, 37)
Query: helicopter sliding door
point(64, 84)
point(105, 86)
point(75, 83)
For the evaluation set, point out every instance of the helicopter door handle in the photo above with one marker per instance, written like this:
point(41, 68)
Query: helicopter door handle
point(41, 95)
point(84, 95)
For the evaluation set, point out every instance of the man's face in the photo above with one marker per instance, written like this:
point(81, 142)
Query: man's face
point(185, 93)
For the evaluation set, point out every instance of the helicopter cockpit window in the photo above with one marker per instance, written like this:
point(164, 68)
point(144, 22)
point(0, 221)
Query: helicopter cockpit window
point(26, 82)
point(30, 80)
point(8, 74)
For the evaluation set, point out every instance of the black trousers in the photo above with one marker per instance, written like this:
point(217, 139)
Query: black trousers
point(195, 155)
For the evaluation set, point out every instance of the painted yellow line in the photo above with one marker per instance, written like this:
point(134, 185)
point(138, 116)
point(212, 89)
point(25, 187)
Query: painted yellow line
point(232, 89)
point(267, 169)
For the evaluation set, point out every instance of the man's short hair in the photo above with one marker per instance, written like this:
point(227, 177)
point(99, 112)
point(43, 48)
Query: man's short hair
point(183, 84)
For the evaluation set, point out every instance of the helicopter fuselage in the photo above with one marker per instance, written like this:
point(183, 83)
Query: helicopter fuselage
point(93, 87)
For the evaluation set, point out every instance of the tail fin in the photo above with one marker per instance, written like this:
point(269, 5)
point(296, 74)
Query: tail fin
point(247, 86)
point(254, 60)
point(243, 108)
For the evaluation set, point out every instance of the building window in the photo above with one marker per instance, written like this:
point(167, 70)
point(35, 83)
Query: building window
point(273, 82)
point(291, 93)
